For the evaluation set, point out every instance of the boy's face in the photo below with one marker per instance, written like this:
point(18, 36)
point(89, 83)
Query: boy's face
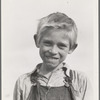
point(54, 47)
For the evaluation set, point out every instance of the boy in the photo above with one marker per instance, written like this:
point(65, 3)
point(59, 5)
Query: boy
point(52, 80)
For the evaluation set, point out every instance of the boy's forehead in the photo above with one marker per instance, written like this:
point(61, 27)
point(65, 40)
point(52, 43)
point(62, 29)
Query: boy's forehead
point(55, 33)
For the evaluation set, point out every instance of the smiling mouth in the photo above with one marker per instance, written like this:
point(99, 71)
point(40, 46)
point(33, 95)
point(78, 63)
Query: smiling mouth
point(53, 58)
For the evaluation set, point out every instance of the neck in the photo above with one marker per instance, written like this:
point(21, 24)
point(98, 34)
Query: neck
point(46, 69)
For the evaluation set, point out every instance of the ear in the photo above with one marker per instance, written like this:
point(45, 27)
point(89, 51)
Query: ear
point(35, 39)
point(72, 49)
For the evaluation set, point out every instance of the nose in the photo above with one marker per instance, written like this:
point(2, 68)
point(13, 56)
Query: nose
point(53, 50)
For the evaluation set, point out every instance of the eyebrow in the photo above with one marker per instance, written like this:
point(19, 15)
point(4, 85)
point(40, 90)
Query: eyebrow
point(59, 43)
point(63, 44)
point(47, 41)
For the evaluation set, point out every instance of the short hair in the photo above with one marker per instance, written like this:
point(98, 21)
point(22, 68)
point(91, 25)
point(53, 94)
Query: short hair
point(58, 21)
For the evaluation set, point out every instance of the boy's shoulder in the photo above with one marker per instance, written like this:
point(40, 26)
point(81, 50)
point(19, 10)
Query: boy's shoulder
point(24, 81)
point(73, 73)
point(77, 73)
point(78, 76)
point(23, 78)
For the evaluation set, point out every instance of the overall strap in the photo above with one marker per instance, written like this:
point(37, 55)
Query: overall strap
point(68, 79)
point(68, 82)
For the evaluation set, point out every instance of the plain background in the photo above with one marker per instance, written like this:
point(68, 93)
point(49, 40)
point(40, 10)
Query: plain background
point(19, 23)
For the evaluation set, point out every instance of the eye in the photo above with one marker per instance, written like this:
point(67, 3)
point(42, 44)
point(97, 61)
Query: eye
point(62, 46)
point(47, 43)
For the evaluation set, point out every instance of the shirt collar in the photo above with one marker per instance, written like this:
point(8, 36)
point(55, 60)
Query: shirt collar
point(59, 67)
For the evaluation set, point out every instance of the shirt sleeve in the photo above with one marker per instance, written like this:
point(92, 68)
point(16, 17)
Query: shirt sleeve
point(89, 91)
point(17, 95)
point(82, 89)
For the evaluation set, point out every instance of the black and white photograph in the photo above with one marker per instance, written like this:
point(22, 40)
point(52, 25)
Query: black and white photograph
point(49, 50)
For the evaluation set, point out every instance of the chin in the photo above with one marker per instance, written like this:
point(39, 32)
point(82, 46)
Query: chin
point(51, 65)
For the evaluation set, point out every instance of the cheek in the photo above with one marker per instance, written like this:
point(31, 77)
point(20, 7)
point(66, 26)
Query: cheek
point(64, 53)
point(43, 50)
